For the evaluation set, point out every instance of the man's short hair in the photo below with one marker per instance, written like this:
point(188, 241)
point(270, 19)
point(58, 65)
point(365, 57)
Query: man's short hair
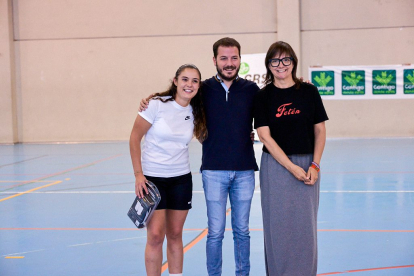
point(225, 42)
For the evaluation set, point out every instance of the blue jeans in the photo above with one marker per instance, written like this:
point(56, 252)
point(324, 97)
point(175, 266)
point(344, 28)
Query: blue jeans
point(239, 186)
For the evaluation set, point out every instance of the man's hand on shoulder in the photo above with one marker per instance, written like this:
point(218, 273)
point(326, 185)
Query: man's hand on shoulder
point(143, 105)
point(307, 81)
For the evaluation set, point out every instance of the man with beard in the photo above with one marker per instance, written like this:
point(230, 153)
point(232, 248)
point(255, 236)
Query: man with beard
point(228, 161)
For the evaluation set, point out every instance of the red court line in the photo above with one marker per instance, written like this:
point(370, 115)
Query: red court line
point(358, 230)
point(187, 229)
point(14, 174)
point(366, 269)
point(69, 229)
point(379, 172)
point(65, 171)
point(125, 173)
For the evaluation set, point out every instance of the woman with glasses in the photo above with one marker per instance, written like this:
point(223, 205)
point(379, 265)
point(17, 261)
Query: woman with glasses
point(169, 124)
point(290, 120)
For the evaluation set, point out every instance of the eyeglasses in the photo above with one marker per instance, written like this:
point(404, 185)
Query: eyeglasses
point(275, 62)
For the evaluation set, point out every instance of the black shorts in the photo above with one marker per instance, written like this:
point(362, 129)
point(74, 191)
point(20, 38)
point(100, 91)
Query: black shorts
point(176, 192)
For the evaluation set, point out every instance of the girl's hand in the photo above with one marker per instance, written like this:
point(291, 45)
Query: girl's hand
point(140, 185)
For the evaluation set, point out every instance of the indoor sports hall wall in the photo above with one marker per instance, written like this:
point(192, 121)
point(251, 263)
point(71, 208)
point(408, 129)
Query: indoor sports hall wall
point(76, 70)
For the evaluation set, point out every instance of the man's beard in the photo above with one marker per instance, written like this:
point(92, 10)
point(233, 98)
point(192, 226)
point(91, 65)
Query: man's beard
point(224, 77)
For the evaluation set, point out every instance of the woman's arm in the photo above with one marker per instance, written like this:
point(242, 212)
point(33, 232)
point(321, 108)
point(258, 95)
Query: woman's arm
point(279, 155)
point(140, 128)
point(320, 138)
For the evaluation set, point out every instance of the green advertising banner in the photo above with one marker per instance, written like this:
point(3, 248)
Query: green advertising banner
point(324, 81)
point(364, 82)
point(409, 81)
point(384, 82)
point(353, 82)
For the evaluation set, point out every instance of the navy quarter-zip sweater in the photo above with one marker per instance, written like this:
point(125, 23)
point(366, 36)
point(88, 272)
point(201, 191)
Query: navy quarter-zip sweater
point(229, 123)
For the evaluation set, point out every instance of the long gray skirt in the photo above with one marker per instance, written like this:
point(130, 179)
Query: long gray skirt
point(290, 210)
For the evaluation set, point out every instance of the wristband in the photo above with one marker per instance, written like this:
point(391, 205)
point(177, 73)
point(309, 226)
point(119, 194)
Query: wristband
point(137, 172)
point(315, 166)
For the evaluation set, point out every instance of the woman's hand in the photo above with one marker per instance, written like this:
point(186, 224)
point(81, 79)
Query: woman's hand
point(278, 154)
point(312, 176)
point(140, 185)
point(299, 173)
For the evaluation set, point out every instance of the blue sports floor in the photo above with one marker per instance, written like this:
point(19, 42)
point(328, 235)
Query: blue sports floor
point(63, 211)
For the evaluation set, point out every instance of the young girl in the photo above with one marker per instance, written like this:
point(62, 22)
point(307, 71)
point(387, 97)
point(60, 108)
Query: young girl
point(169, 123)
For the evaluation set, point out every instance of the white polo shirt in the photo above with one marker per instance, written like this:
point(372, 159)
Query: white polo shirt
point(165, 149)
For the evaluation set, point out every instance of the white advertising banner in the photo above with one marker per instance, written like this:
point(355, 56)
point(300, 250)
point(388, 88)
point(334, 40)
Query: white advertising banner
point(253, 68)
point(345, 82)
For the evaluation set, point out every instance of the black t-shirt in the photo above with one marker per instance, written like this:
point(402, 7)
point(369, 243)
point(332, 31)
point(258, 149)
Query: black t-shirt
point(291, 115)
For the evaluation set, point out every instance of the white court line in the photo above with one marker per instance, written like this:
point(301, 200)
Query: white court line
point(81, 244)
point(134, 238)
point(194, 192)
point(21, 253)
point(118, 240)
point(75, 245)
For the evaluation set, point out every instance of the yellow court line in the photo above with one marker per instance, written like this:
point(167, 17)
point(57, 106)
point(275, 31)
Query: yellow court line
point(29, 191)
point(14, 257)
point(204, 233)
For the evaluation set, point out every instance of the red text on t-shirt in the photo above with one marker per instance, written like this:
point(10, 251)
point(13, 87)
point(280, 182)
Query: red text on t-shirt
point(282, 110)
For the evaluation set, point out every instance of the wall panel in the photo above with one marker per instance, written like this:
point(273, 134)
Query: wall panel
point(89, 89)
point(358, 47)
point(370, 118)
point(60, 19)
point(8, 117)
point(356, 14)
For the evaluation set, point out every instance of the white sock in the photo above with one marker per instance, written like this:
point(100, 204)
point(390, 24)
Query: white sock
point(179, 274)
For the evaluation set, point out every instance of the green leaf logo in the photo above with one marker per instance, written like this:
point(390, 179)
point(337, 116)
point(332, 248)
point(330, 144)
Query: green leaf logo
point(353, 79)
point(244, 68)
point(322, 80)
point(409, 81)
point(384, 82)
point(411, 78)
point(384, 79)
point(353, 82)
